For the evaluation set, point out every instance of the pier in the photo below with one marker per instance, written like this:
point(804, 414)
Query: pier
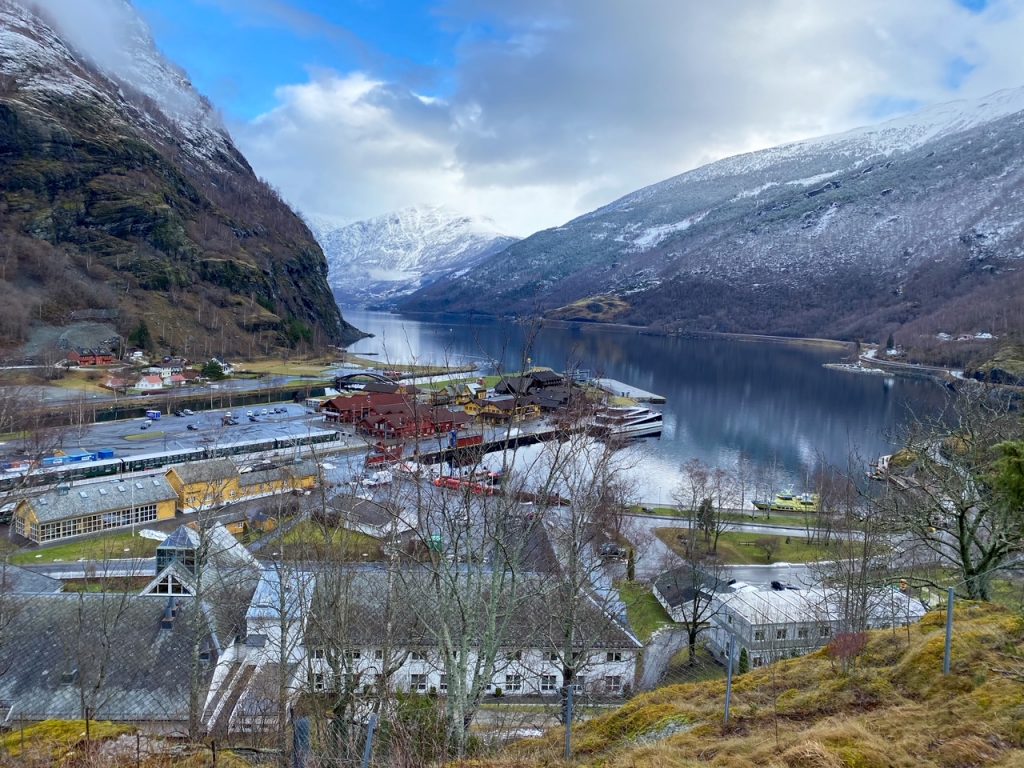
point(621, 389)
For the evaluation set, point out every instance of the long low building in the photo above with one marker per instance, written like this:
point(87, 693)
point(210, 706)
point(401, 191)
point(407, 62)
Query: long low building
point(86, 508)
point(94, 507)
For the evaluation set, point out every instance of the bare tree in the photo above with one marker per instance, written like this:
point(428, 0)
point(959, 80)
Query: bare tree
point(953, 496)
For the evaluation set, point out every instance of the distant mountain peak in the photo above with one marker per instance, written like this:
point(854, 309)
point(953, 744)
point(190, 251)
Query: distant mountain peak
point(375, 261)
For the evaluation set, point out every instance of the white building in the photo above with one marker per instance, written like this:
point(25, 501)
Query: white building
point(776, 624)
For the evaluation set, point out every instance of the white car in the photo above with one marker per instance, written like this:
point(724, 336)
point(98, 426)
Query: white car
point(264, 412)
point(249, 413)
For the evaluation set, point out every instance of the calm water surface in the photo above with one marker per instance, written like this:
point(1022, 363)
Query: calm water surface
point(773, 403)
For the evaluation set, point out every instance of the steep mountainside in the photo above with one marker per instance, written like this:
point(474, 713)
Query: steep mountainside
point(915, 223)
point(120, 191)
point(374, 262)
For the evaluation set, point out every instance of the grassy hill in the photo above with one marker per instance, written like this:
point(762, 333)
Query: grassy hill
point(894, 709)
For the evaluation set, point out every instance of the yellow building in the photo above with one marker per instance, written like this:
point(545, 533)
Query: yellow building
point(93, 507)
point(503, 409)
point(209, 484)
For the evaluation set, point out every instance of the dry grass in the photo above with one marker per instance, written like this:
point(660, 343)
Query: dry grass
point(895, 709)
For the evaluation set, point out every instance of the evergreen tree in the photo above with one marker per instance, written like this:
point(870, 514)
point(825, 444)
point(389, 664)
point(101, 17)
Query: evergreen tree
point(890, 343)
point(744, 661)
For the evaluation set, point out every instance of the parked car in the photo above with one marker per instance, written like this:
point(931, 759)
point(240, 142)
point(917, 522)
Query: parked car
point(192, 428)
point(249, 414)
point(613, 551)
point(252, 418)
point(264, 412)
point(145, 425)
point(188, 412)
point(179, 412)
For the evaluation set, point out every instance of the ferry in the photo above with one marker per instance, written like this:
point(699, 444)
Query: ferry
point(627, 421)
point(788, 501)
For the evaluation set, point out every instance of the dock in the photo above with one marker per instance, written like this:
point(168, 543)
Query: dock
point(620, 389)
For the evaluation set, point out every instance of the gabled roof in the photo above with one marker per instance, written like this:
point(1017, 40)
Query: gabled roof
point(283, 473)
point(97, 498)
point(205, 471)
point(679, 586)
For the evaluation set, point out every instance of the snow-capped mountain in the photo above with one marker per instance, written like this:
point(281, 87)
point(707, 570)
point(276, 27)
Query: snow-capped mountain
point(375, 261)
point(840, 235)
point(120, 190)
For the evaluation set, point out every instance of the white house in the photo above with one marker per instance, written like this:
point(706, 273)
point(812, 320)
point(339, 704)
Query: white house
point(149, 383)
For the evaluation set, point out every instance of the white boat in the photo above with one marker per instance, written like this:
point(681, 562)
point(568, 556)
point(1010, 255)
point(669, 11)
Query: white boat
point(627, 421)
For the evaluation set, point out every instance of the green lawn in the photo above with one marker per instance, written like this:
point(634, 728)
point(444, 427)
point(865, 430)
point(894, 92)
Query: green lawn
point(739, 548)
point(312, 541)
point(147, 434)
point(104, 547)
point(645, 613)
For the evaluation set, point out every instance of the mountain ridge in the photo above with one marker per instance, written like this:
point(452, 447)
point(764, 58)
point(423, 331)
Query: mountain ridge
point(110, 201)
point(888, 227)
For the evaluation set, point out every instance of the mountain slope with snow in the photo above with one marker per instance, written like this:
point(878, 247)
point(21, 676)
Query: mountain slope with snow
point(916, 219)
point(120, 191)
point(376, 261)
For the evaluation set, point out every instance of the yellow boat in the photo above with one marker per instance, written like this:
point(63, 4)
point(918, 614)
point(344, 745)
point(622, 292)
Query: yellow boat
point(789, 502)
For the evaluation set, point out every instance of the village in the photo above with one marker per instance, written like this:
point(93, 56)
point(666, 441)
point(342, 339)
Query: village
point(214, 623)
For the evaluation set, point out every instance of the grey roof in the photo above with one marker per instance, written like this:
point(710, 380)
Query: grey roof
point(283, 472)
point(353, 606)
point(360, 510)
point(679, 585)
point(205, 471)
point(51, 651)
point(15, 580)
point(96, 498)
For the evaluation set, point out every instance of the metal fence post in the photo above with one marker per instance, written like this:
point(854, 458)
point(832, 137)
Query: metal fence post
point(949, 633)
point(368, 746)
point(728, 676)
point(300, 742)
point(568, 724)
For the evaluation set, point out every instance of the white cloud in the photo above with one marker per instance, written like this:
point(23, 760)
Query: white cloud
point(558, 108)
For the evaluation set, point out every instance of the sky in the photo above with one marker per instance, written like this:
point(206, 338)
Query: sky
point(533, 112)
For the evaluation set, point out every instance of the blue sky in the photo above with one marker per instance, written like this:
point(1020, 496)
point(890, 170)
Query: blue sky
point(535, 111)
point(238, 52)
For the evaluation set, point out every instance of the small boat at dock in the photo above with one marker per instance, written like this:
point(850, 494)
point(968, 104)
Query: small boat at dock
point(787, 501)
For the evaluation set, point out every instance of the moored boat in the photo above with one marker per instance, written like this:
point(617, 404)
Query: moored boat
point(787, 501)
point(626, 421)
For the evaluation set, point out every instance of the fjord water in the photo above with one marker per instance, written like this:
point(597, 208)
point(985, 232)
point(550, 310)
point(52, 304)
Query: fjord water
point(773, 403)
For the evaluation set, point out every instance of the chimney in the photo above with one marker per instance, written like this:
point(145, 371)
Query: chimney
point(167, 621)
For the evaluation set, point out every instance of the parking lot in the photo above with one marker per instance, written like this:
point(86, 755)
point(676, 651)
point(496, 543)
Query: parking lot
point(170, 432)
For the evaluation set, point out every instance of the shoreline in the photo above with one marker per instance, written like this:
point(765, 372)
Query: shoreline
point(642, 330)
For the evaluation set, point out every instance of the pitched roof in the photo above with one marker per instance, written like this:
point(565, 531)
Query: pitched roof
point(679, 585)
point(97, 498)
point(205, 471)
point(52, 652)
point(285, 472)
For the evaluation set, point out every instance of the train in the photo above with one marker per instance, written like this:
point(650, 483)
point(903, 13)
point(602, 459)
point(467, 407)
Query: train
point(84, 468)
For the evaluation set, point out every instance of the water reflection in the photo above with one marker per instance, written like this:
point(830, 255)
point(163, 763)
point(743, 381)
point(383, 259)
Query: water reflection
point(773, 404)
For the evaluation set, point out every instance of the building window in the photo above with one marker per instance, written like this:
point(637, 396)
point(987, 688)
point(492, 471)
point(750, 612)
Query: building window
point(442, 686)
point(418, 656)
point(352, 654)
point(613, 684)
point(803, 633)
point(514, 656)
point(613, 656)
point(319, 654)
point(417, 683)
point(824, 630)
point(553, 656)
point(513, 683)
point(579, 684)
point(319, 681)
point(378, 654)
point(781, 634)
point(756, 661)
point(758, 635)
point(548, 683)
